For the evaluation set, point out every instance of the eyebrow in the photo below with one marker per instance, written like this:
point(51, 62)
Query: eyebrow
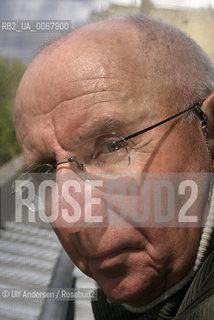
point(97, 128)
point(100, 127)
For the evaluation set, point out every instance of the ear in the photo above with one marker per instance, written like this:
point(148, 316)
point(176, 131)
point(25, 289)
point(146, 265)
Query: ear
point(208, 108)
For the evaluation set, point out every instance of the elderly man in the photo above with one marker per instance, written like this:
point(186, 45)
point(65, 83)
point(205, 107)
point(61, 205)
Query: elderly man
point(78, 107)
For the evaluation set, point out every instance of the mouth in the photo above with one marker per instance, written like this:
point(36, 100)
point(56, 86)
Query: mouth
point(113, 248)
point(109, 255)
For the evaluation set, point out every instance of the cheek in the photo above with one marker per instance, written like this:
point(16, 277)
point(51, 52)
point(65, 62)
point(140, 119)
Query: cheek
point(187, 152)
point(179, 148)
point(68, 242)
point(134, 280)
point(174, 247)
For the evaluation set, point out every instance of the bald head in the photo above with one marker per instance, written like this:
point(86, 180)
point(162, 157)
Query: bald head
point(90, 54)
point(140, 61)
point(152, 51)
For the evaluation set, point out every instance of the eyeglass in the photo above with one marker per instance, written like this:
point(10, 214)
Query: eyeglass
point(111, 154)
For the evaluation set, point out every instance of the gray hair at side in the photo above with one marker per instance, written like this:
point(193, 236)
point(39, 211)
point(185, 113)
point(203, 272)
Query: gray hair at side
point(179, 61)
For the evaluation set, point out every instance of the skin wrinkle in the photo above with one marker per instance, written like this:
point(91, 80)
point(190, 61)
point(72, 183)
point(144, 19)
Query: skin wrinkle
point(85, 125)
point(116, 127)
point(168, 254)
point(98, 78)
point(50, 112)
point(79, 138)
point(102, 127)
point(60, 104)
point(73, 99)
point(126, 130)
point(38, 160)
point(107, 126)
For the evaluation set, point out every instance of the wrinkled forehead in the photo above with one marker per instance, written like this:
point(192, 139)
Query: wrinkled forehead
point(85, 61)
point(88, 72)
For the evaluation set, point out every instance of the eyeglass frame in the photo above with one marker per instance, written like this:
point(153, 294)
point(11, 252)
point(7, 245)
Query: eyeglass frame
point(196, 106)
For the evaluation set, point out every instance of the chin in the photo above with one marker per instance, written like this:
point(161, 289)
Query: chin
point(130, 290)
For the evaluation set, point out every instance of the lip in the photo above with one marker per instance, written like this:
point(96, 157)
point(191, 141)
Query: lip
point(110, 254)
point(109, 246)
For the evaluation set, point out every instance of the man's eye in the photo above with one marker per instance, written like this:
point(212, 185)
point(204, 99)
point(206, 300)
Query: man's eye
point(111, 146)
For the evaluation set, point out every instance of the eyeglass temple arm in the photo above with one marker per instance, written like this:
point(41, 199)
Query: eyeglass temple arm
point(196, 106)
point(202, 115)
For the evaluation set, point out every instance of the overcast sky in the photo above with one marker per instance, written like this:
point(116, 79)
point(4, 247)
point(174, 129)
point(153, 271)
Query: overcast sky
point(172, 3)
point(24, 46)
point(185, 3)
